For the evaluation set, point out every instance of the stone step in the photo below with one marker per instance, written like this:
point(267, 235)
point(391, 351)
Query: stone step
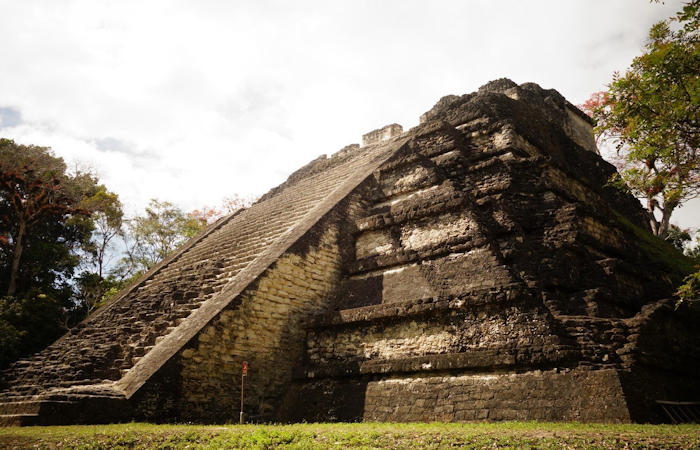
point(27, 406)
point(26, 386)
point(175, 276)
point(390, 311)
point(18, 420)
point(8, 397)
point(20, 406)
point(83, 382)
point(483, 360)
point(586, 320)
point(187, 263)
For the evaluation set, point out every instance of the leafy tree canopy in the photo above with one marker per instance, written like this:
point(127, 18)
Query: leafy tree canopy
point(42, 222)
point(60, 234)
point(652, 114)
point(154, 235)
point(43, 225)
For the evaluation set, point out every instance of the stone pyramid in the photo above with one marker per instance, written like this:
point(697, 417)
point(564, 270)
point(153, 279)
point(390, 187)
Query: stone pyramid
point(475, 267)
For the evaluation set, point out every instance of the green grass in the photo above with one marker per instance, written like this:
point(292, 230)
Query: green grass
point(362, 435)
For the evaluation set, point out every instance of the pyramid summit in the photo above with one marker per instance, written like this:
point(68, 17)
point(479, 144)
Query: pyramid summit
point(475, 267)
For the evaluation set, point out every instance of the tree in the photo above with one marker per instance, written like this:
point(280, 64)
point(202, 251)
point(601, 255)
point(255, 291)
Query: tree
point(229, 205)
point(27, 324)
point(152, 237)
point(678, 237)
point(93, 283)
point(652, 115)
point(43, 226)
point(693, 252)
point(689, 291)
point(206, 215)
point(107, 216)
point(41, 219)
point(235, 202)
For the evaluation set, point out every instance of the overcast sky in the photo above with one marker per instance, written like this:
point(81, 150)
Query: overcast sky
point(193, 101)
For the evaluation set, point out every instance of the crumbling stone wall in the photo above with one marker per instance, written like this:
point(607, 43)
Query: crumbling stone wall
point(455, 330)
point(266, 329)
point(475, 267)
point(493, 278)
point(549, 395)
point(381, 134)
point(265, 326)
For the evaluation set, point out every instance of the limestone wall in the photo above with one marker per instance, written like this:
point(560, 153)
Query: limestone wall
point(578, 395)
point(265, 326)
point(266, 329)
point(490, 281)
point(579, 128)
point(381, 134)
point(458, 329)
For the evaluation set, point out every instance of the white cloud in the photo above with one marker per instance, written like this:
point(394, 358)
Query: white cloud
point(194, 101)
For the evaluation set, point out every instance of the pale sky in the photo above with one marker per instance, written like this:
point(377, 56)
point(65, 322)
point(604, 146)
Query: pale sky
point(193, 101)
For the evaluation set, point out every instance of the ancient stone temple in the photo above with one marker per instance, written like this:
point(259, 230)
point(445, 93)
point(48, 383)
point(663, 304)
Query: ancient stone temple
point(475, 267)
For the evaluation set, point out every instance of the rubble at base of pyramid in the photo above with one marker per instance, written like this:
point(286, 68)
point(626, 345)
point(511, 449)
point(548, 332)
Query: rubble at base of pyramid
point(475, 267)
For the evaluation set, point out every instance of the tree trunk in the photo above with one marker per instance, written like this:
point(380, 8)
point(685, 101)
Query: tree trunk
point(16, 255)
point(663, 227)
point(665, 220)
point(654, 224)
point(101, 256)
point(651, 205)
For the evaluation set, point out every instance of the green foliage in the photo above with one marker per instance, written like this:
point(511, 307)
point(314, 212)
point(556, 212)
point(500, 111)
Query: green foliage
point(27, 323)
point(107, 215)
point(42, 230)
point(152, 237)
point(689, 291)
point(652, 113)
point(678, 237)
point(10, 336)
point(41, 222)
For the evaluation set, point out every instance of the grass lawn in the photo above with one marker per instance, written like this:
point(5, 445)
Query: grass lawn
point(356, 435)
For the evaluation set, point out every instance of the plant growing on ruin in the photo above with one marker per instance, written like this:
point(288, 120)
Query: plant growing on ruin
point(652, 116)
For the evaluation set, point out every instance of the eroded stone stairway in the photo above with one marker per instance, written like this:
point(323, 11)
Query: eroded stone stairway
point(88, 362)
point(477, 266)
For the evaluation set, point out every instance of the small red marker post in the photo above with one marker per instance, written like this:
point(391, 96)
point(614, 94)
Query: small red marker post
point(244, 373)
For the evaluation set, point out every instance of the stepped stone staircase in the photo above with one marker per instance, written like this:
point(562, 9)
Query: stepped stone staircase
point(98, 359)
point(474, 267)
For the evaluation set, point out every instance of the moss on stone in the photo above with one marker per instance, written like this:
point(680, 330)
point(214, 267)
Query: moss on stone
point(659, 251)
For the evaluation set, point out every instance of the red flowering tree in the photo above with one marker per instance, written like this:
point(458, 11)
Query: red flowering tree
point(651, 115)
